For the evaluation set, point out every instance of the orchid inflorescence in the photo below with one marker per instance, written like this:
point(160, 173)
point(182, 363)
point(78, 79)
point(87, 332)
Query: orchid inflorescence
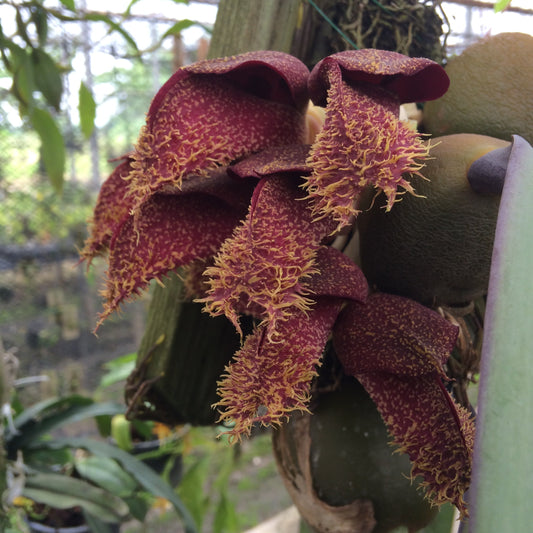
point(223, 182)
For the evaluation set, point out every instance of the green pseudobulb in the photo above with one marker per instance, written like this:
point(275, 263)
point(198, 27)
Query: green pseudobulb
point(436, 248)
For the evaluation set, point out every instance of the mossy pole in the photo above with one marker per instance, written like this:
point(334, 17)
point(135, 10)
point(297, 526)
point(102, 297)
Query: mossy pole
point(246, 25)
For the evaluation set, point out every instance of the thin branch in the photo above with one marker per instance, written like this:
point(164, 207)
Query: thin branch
point(490, 5)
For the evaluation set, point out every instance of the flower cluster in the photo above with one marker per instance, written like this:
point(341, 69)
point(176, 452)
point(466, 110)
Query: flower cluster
point(222, 176)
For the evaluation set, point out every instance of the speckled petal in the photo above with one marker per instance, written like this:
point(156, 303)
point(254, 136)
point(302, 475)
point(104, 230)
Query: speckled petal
point(217, 111)
point(435, 432)
point(279, 159)
point(411, 79)
point(337, 275)
point(269, 74)
point(268, 380)
point(393, 334)
point(268, 259)
point(362, 144)
point(112, 207)
point(396, 348)
point(170, 231)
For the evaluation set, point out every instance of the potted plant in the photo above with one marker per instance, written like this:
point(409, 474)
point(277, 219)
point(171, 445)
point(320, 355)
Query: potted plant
point(99, 484)
point(156, 444)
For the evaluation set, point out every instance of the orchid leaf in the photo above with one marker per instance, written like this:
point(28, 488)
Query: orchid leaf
point(35, 422)
point(143, 474)
point(503, 463)
point(192, 489)
point(226, 519)
point(63, 492)
point(106, 473)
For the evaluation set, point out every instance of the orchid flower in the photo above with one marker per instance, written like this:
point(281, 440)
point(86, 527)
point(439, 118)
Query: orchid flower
point(170, 202)
point(221, 176)
point(363, 143)
point(396, 348)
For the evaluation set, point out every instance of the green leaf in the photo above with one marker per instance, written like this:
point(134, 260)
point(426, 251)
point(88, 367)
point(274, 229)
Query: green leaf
point(191, 489)
point(107, 474)
point(39, 17)
point(500, 5)
point(139, 505)
point(35, 422)
point(95, 524)
point(23, 77)
point(118, 369)
point(225, 520)
point(87, 109)
point(52, 146)
point(69, 4)
point(144, 475)
point(46, 459)
point(46, 407)
point(226, 469)
point(177, 28)
point(63, 492)
point(503, 462)
point(47, 77)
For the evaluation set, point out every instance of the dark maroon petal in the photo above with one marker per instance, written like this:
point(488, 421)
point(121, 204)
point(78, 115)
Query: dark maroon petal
point(393, 334)
point(270, 256)
point(362, 145)
point(412, 79)
point(112, 207)
point(234, 192)
point(436, 433)
point(218, 111)
point(276, 160)
point(396, 348)
point(169, 231)
point(272, 75)
point(337, 276)
point(269, 380)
